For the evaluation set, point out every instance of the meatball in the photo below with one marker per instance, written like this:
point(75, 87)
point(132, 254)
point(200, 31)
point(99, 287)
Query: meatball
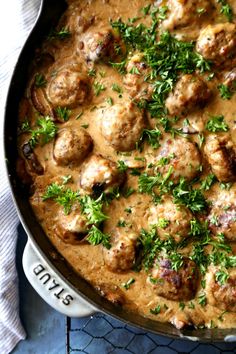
point(71, 228)
point(78, 24)
point(217, 42)
point(135, 80)
point(171, 220)
point(100, 174)
point(69, 88)
point(175, 285)
point(221, 155)
point(121, 256)
point(185, 12)
point(189, 94)
point(183, 156)
point(222, 217)
point(223, 296)
point(122, 126)
point(72, 146)
point(98, 46)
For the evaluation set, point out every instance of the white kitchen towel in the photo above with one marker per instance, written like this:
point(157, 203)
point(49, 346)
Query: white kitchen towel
point(16, 19)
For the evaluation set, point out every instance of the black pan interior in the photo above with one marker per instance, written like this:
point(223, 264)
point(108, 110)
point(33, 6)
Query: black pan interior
point(49, 15)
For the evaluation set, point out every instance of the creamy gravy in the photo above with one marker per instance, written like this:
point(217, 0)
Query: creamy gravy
point(135, 210)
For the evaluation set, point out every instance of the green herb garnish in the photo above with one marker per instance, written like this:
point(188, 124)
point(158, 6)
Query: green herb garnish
point(96, 237)
point(128, 283)
point(63, 113)
point(217, 124)
point(40, 80)
point(98, 88)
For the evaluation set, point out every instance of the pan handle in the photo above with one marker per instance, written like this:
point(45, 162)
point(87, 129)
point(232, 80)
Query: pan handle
point(51, 287)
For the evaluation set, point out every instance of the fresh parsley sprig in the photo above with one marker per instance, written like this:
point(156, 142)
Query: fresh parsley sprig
point(43, 133)
point(96, 237)
point(217, 124)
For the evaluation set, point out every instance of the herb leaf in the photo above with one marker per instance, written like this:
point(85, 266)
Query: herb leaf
point(45, 132)
point(217, 124)
point(96, 237)
point(63, 113)
point(40, 80)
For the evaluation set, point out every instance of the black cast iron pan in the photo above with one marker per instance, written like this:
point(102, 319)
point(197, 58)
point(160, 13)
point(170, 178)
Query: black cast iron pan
point(53, 263)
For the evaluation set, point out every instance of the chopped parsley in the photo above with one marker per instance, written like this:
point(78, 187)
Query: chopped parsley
point(63, 33)
point(208, 182)
point(109, 100)
point(85, 125)
point(66, 197)
point(128, 283)
point(127, 192)
point(121, 165)
point(120, 67)
point(166, 58)
point(202, 299)
point(92, 208)
point(66, 179)
point(221, 277)
point(121, 223)
point(96, 237)
point(44, 133)
point(226, 9)
point(115, 87)
point(91, 72)
point(217, 124)
point(152, 137)
point(163, 223)
point(40, 80)
point(79, 115)
point(225, 92)
point(98, 88)
point(156, 310)
point(185, 195)
point(145, 10)
point(63, 113)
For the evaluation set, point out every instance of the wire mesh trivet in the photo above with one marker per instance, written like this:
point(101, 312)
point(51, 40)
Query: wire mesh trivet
point(102, 334)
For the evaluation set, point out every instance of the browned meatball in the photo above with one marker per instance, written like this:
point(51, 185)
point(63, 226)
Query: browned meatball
point(222, 217)
point(71, 228)
point(223, 296)
point(174, 285)
point(184, 13)
point(221, 155)
point(135, 80)
point(183, 156)
point(72, 146)
point(69, 88)
point(217, 42)
point(98, 46)
point(99, 173)
point(76, 23)
point(171, 220)
point(122, 126)
point(189, 94)
point(121, 256)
